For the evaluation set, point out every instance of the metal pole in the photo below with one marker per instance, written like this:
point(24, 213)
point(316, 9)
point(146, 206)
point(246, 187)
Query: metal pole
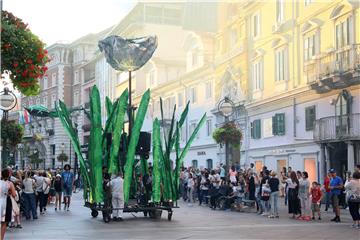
point(130, 107)
point(226, 151)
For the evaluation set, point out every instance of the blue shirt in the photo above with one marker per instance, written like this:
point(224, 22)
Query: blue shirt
point(67, 178)
point(336, 181)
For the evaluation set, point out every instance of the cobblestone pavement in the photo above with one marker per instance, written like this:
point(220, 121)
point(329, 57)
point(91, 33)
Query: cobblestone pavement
point(196, 222)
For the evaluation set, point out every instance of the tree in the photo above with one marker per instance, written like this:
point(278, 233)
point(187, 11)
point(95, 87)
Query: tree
point(22, 54)
point(11, 136)
point(35, 160)
point(62, 157)
point(228, 133)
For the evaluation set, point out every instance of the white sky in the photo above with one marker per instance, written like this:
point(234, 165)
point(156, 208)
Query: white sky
point(67, 20)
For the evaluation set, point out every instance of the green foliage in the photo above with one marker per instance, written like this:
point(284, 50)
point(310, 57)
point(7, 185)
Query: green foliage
point(228, 133)
point(23, 54)
point(11, 134)
point(34, 158)
point(62, 157)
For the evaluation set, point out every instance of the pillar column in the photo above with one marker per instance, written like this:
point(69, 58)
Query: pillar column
point(350, 157)
point(322, 166)
point(327, 158)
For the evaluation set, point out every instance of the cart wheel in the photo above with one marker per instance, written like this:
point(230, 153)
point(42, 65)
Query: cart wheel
point(94, 213)
point(145, 213)
point(170, 215)
point(106, 217)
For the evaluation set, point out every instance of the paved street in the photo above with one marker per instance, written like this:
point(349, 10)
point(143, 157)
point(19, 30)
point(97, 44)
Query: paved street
point(188, 223)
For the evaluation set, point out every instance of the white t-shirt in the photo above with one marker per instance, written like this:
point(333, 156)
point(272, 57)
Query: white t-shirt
point(190, 183)
point(28, 185)
point(39, 180)
point(46, 185)
point(290, 183)
point(116, 185)
point(215, 180)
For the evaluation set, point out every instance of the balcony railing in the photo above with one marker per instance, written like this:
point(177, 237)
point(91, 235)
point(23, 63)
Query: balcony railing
point(334, 70)
point(336, 128)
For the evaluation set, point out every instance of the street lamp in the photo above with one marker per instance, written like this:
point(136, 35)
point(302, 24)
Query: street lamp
point(8, 101)
point(62, 147)
point(226, 108)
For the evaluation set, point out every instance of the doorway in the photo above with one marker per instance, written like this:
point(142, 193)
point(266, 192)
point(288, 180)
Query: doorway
point(310, 168)
point(280, 165)
point(338, 158)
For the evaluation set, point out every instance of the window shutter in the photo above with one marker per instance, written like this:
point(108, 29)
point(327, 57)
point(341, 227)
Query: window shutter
point(252, 129)
point(280, 123)
point(274, 126)
point(257, 129)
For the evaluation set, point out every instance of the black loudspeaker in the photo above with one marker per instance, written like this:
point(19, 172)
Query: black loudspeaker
point(144, 143)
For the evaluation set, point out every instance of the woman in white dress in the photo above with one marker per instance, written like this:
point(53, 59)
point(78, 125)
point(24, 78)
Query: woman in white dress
point(6, 189)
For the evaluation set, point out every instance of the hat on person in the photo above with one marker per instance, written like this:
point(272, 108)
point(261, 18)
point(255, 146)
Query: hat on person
point(58, 175)
point(273, 173)
point(331, 170)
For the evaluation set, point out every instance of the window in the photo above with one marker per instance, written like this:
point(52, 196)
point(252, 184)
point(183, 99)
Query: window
point(76, 77)
point(257, 75)
point(53, 80)
point(53, 100)
point(256, 25)
point(195, 57)
point(310, 117)
point(233, 38)
point(208, 127)
point(343, 33)
point(37, 101)
point(151, 77)
point(281, 65)
point(192, 129)
point(180, 99)
point(209, 164)
point(53, 163)
point(193, 95)
point(208, 90)
point(45, 101)
point(76, 98)
point(256, 129)
point(194, 163)
point(308, 2)
point(53, 149)
point(45, 81)
point(267, 127)
point(280, 11)
point(183, 133)
point(309, 47)
point(278, 124)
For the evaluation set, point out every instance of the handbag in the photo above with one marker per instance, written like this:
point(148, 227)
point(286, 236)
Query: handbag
point(354, 198)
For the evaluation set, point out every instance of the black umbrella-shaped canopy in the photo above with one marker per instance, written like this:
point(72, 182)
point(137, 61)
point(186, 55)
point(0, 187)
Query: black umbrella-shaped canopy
point(128, 54)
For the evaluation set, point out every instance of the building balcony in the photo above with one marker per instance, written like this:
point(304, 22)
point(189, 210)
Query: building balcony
point(337, 128)
point(335, 70)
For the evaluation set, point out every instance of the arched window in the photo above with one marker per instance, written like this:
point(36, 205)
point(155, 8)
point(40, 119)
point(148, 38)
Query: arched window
point(194, 52)
point(194, 163)
point(209, 164)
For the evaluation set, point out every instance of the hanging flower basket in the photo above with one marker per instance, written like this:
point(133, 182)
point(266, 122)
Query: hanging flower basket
point(228, 133)
point(22, 55)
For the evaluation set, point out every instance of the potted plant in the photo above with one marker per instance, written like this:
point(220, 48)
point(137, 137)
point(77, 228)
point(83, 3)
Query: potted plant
point(228, 133)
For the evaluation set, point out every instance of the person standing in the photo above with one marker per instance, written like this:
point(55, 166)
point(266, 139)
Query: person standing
point(29, 196)
point(39, 181)
point(204, 188)
point(58, 191)
point(265, 193)
point(191, 187)
point(68, 183)
point(316, 195)
point(353, 198)
point(327, 191)
point(214, 188)
point(117, 194)
point(304, 187)
point(222, 172)
point(336, 186)
point(233, 175)
point(293, 190)
point(7, 189)
point(252, 186)
point(46, 190)
point(274, 183)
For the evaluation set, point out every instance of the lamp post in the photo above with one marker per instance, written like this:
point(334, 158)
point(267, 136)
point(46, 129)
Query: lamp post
point(62, 147)
point(226, 108)
point(8, 101)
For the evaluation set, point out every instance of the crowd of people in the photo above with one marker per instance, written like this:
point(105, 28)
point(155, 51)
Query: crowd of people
point(244, 188)
point(27, 193)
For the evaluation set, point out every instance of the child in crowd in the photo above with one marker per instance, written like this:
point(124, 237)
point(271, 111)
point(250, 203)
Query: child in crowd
point(316, 195)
